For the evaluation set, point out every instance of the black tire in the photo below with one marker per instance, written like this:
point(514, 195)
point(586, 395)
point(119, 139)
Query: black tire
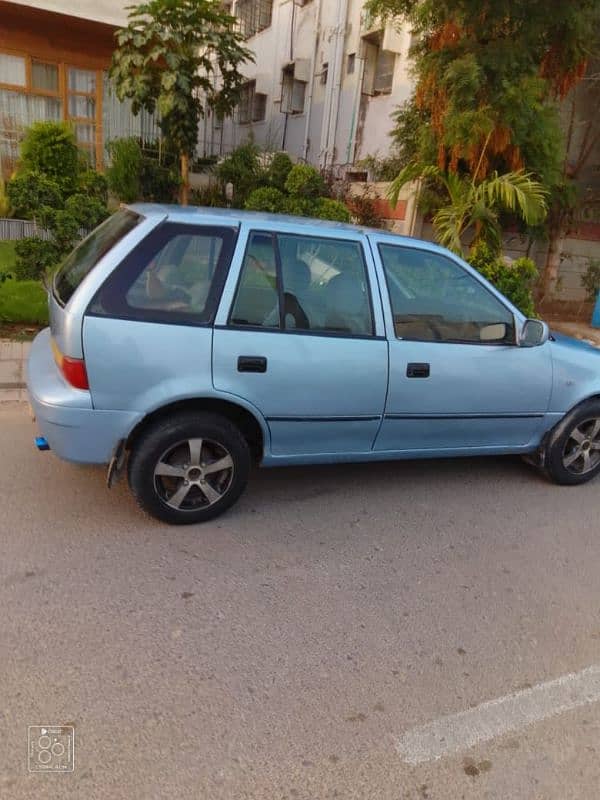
point(170, 447)
point(572, 454)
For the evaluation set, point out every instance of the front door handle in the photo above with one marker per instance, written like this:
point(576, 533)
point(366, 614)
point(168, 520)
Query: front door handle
point(252, 364)
point(416, 370)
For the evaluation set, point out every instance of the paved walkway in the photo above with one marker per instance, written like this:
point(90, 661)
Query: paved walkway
point(13, 358)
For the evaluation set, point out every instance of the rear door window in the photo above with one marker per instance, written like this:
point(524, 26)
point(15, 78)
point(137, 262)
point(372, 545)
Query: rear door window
point(89, 252)
point(176, 275)
point(304, 283)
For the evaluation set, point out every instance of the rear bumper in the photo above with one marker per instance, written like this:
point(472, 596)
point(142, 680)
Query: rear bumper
point(65, 416)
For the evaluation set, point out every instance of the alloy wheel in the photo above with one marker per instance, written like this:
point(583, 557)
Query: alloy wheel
point(193, 474)
point(581, 453)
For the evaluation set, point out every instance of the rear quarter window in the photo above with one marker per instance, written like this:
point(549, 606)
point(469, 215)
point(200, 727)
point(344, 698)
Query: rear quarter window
point(89, 252)
point(175, 275)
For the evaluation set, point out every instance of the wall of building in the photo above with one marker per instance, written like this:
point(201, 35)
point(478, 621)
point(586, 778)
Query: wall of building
point(111, 12)
point(325, 41)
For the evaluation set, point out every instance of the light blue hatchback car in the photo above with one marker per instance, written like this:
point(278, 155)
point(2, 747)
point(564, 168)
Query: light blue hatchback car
point(186, 343)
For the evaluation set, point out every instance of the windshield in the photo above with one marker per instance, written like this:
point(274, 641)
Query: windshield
point(89, 252)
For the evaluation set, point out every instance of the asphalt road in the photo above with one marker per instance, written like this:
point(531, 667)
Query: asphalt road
point(295, 648)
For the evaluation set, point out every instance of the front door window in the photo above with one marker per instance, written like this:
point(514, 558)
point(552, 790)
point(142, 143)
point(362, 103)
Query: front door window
point(434, 299)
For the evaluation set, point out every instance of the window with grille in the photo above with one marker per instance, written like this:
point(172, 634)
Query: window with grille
point(252, 106)
point(254, 15)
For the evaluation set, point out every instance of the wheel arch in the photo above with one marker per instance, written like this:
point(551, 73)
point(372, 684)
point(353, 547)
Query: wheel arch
point(253, 429)
point(558, 427)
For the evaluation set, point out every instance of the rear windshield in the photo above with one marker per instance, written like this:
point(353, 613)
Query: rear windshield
point(89, 252)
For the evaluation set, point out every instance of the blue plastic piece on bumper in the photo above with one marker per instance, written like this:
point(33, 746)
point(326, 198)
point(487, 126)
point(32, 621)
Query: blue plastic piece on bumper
point(41, 443)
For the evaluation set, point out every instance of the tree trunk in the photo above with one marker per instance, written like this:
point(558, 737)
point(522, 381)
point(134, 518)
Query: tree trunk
point(184, 194)
point(552, 267)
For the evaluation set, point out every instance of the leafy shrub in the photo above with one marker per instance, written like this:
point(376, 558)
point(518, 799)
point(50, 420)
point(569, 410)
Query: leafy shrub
point(158, 183)
point(278, 170)
point(94, 184)
point(305, 181)
point(123, 174)
point(299, 206)
point(244, 170)
point(211, 196)
point(515, 280)
point(363, 211)
point(50, 149)
point(87, 211)
point(55, 186)
point(30, 191)
point(326, 208)
point(267, 198)
point(590, 280)
point(35, 257)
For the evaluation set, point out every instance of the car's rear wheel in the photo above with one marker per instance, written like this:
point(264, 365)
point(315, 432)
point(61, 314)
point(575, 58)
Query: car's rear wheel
point(189, 468)
point(573, 449)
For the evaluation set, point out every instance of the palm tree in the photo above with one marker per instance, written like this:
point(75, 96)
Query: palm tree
point(476, 205)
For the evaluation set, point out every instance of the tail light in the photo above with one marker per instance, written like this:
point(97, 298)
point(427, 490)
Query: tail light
point(72, 369)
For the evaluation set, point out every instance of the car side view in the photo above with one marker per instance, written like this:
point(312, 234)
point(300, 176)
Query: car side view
point(186, 344)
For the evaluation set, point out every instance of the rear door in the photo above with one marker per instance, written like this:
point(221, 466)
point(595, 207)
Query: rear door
point(299, 334)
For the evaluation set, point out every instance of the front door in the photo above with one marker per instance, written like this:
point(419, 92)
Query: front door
point(299, 337)
point(457, 379)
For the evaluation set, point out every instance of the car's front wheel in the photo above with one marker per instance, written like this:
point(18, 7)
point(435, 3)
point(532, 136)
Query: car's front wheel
point(188, 468)
point(573, 449)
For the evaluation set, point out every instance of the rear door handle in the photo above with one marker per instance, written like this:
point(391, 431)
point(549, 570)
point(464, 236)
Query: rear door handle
point(416, 370)
point(252, 364)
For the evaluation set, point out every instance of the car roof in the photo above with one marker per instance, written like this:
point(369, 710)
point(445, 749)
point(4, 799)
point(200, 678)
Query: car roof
point(228, 216)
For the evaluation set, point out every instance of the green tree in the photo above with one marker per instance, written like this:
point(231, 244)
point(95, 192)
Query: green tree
point(489, 78)
point(55, 187)
point(469, 206)
point(169, 58)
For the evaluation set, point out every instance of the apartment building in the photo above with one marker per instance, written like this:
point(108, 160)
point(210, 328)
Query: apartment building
point(54, 56)
point(325, 80)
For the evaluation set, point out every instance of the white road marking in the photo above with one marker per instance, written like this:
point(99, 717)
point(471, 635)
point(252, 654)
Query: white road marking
point(513, 712)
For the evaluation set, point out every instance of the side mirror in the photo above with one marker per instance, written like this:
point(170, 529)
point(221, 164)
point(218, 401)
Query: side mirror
point(534, 333)
point(493, 333)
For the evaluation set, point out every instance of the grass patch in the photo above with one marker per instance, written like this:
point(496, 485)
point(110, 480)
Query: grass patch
point(7, 256)
point(23, 301)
